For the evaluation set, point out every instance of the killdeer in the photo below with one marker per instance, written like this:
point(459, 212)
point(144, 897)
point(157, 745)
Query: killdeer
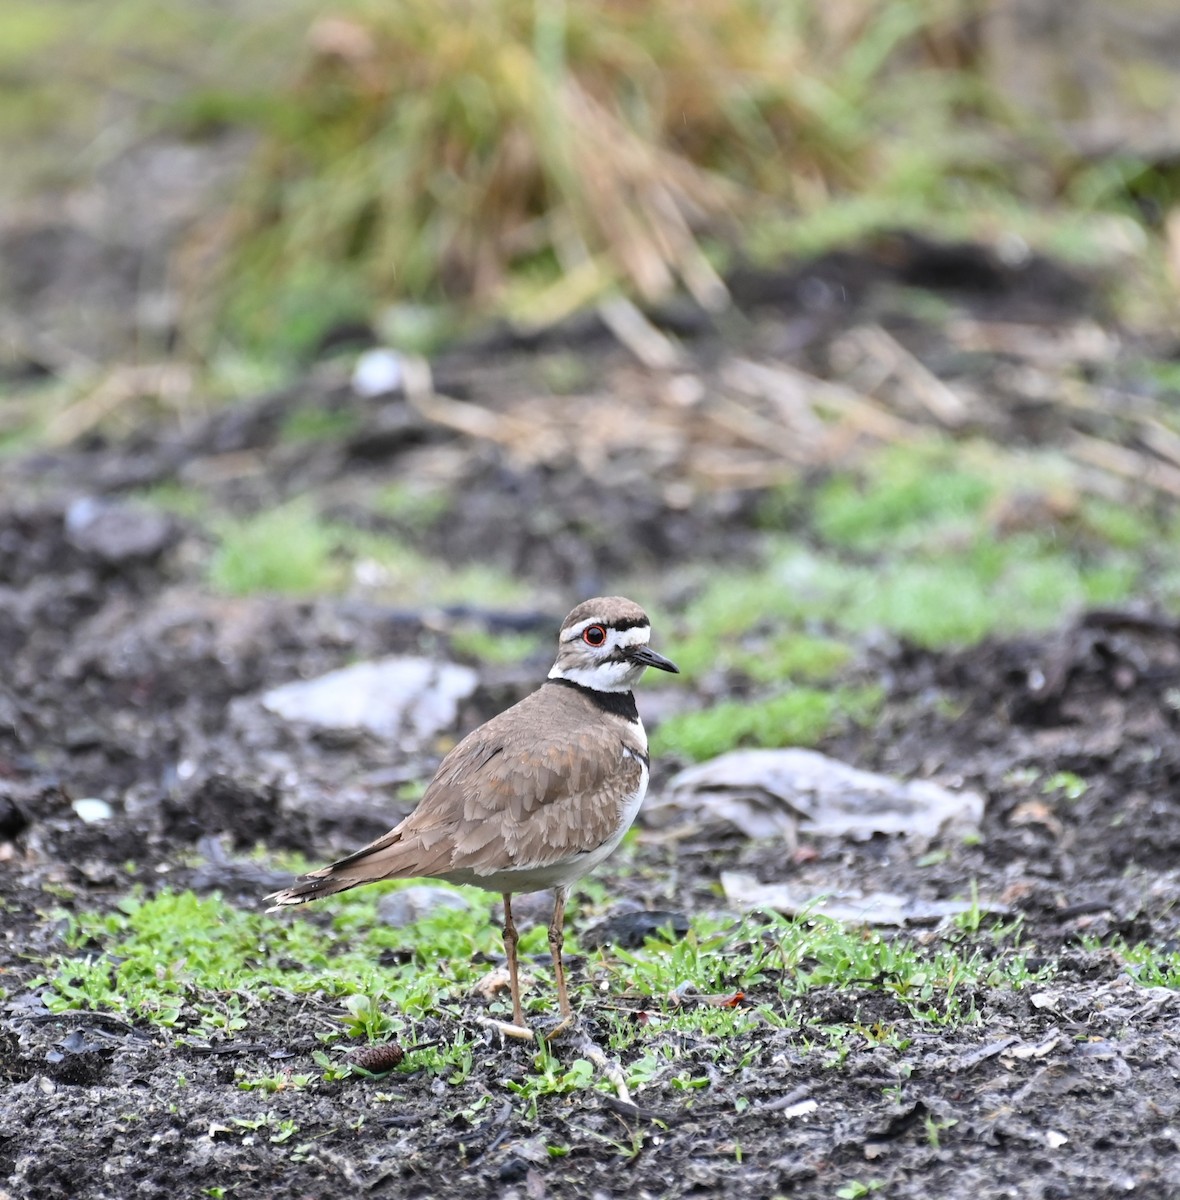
point(537, 796)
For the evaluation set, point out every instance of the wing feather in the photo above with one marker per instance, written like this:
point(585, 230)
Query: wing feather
point(495, 803)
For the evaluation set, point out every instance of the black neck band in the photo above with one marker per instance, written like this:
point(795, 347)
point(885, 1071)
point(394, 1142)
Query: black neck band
point(619, 704)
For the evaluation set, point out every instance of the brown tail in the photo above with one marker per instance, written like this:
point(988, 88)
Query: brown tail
point(367, 865)
point(312, 887)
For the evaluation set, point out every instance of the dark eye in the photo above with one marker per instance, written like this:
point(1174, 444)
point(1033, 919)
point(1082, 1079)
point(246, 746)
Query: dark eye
point(594, 635)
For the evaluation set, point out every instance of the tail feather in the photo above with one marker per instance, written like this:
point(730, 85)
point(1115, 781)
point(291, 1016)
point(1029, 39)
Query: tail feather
point(314, 886)
point(389, 857)
point(366, 865)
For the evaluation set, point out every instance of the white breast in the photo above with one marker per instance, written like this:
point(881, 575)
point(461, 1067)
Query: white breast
point(632, 804)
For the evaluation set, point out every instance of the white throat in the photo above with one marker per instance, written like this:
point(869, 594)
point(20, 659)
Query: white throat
point(601, 677)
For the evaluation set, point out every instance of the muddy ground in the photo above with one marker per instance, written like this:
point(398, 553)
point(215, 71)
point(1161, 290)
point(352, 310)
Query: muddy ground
point(126, 680)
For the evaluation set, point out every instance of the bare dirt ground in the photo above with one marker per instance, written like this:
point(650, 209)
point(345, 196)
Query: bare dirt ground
point(123, 679)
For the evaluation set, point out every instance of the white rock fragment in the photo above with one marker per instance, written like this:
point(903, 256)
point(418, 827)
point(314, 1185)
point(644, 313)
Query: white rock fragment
point(92, 811)
point(1040, 1049)
point(403, 698)
point(377, 373)
point(850, 908)
point(779, 793)
point(803, 1109)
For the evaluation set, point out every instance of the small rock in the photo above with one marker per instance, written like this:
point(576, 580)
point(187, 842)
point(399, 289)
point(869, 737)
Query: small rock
point(118, 533)
point(377, 373)
point(77, 1041)
point(531, 908)
point(247, 810)
point(777, 793)
point(512, 1170)
point(533, 1150)
point(849, 907)
point(78, 1070)
point(630, 930)
point(13, 821)
point(240, 877)
point(804, 1108)
point(494, 983)
point(388, 697)
point(407, 905)
point(92, 810)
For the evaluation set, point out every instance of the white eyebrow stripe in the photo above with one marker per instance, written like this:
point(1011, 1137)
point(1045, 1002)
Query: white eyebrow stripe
point(640, 635)
point(576, 631)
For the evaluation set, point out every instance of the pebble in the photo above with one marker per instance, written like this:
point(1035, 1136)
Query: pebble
point(118, 533)
point(377, 373)
point(388, 697)
point(407, 905)
point(630, 930)
point(12, 819)
point(92, 811)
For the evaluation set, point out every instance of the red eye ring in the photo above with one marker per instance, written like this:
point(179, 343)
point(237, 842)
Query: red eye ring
point(594, 635)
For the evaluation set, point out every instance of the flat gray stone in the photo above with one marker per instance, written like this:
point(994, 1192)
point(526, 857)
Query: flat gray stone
point(401, 697)
point(779, 793)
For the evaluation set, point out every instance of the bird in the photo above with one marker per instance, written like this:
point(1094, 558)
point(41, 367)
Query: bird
point(534, 798)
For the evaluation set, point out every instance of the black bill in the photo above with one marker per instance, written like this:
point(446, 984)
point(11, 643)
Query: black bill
point(649, 658)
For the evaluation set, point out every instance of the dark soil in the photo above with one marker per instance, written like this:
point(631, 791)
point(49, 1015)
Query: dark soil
point(125, 680)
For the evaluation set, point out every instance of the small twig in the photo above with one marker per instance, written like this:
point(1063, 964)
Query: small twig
point(965, 1062)
point(1161, 440)
point(801, 397)
point(122, 386)
point(937, 397)
point(799, 1095)
point(609, 1068)
point(1136, 622)
point(704, 284)
point(470, 419)
point(1064, 346)
point(786, 390)
point(506, 1029)
point(219, 1048)
point(743, 425)
point(639, 335)
point(625, 1108)
point(1126, 463)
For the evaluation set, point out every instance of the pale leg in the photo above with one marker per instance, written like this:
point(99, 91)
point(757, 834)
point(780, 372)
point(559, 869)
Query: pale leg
point(556, 941)
point(510, 940)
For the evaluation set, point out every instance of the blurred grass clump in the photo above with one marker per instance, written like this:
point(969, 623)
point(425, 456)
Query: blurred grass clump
point(531, 156)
